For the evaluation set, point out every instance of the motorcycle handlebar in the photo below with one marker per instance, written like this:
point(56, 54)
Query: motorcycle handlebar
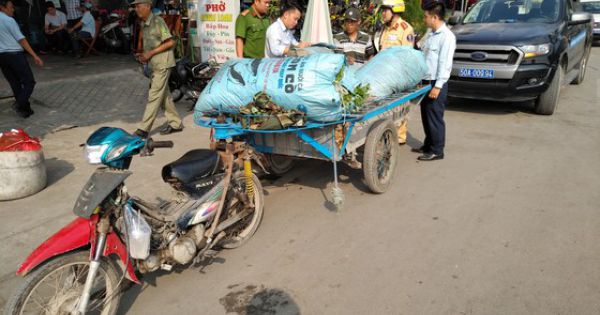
point(162, 144)
point(151, 144)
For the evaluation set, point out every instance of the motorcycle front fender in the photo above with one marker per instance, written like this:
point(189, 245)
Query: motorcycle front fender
point(71, 237)
point(79, 233)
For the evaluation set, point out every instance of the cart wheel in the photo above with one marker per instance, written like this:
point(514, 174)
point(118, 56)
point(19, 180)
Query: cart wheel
point(379, 157)
point(279, 164)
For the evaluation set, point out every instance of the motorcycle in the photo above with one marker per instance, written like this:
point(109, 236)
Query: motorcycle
point(116, 34)
point(188, 79)
point(116, 236)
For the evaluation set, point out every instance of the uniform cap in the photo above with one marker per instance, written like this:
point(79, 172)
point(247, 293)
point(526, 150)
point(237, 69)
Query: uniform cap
point(352, 14)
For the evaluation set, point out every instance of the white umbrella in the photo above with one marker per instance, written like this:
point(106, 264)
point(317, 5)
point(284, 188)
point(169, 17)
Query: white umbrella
point(317, 23)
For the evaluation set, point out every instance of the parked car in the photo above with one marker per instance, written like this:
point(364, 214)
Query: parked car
point(520, 50)
point(593, 7)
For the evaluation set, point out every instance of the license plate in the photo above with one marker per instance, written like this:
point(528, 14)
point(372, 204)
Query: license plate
point(476, 73)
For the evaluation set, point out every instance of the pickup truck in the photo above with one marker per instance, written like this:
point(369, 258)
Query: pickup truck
point(520, 50)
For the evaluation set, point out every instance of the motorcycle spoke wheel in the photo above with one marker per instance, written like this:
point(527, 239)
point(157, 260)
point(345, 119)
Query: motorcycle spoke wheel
point(243, 230)
point(56, 287)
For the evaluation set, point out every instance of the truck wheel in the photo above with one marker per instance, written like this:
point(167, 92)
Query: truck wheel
point(548, 101)
point(380, 156)
point(583, 66)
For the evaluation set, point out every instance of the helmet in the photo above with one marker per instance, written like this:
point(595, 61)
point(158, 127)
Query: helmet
point(397, 6)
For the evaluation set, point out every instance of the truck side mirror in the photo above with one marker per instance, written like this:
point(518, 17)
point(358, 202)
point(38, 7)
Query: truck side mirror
point(455, 19)
point(580, 18)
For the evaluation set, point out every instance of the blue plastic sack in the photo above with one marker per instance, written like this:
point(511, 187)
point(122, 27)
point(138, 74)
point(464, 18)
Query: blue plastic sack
point(393, 70)
point(302, 83)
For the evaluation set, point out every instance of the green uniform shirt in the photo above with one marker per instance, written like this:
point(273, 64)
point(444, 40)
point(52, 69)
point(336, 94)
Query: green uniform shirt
point(154, 32)
point(253, 29)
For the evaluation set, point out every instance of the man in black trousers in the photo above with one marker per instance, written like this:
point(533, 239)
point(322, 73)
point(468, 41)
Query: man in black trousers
point(13, 62)
point(438, 47)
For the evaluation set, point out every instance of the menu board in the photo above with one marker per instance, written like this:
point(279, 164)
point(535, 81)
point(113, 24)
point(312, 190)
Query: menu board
point(216, 29)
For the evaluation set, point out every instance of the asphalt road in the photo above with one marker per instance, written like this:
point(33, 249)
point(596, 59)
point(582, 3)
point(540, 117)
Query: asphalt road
point(507, 223)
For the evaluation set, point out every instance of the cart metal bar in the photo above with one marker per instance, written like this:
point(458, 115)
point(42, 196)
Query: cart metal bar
point(315, 144)
point(406, 98)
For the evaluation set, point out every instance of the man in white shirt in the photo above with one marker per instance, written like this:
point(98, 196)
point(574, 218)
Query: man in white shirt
point(56, 28)
point(280, 35)
point(88, 28)
point(438, 47)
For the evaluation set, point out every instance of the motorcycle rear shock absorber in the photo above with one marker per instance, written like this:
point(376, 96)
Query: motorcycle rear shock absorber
point(248, 176)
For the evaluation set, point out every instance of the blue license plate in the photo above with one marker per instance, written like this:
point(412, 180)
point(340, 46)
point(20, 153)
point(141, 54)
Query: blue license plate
point(476, 73)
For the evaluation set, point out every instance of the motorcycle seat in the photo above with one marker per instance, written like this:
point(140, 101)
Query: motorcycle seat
point(192, 166)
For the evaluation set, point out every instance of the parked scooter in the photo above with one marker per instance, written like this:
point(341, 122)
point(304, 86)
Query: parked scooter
point(81, 268)
point(188, 79)
point(116, 33)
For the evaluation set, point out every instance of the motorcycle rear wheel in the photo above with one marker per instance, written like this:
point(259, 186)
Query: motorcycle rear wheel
point(63, 279)
point(241, 232)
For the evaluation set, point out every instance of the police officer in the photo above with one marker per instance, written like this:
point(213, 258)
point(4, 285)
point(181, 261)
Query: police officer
point(251, 30)
point(395, 32)
point(158, 53)
point(438, 47)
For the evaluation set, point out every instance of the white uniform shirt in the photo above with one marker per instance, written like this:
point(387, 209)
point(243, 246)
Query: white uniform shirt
point(278, 39)
point(439, 49)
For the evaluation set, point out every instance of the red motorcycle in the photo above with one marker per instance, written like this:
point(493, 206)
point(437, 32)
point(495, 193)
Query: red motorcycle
point(82, 268)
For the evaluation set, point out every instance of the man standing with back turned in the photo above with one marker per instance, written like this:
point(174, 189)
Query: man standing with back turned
point(438, 48)
point(158, 53)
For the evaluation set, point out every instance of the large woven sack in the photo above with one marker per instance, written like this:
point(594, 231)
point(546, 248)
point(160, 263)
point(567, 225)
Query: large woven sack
point(301, 83)
point(393, 70)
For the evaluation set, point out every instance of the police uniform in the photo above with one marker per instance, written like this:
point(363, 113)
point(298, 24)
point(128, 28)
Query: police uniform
point(154, 33)
point(399, 34)
point(252, 27)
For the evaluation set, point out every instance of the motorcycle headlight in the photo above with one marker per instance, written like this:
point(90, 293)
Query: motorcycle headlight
point(535, 50)
point(116, 152)
point(93, 153)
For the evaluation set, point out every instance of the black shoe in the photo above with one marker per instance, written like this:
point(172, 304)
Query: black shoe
point(430, 157)
point(24, 113)
point(169, 130)
point(418, 150)
point(141, 133)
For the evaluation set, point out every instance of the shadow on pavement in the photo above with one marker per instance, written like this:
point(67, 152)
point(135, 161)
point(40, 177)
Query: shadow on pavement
point(319, 175)
point(90, 91)
point(489, 107)
point(56, 169)
point(132, 290)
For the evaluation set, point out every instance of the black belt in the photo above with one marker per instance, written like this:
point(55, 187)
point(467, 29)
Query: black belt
point(428, 82)
point(11, 52)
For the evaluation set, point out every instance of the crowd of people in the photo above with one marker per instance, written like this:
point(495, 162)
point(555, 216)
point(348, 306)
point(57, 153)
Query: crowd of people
point(256, 37)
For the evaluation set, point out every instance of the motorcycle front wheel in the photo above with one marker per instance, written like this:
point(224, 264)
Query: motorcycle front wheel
point(56, 286)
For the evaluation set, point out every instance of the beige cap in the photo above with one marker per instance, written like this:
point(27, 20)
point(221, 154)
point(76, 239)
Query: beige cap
point(141, 1)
